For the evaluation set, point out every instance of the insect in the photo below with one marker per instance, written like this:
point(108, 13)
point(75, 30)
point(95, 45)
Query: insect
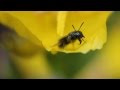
point(71, 37)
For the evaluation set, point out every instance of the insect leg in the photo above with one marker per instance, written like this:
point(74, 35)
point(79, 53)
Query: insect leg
point(80, 40)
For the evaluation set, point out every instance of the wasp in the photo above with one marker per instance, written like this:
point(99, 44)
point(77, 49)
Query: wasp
point(71, 37)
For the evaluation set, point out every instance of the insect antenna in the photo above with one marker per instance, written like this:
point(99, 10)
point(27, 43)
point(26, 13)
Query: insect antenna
point(73, 27)
point(80, 26)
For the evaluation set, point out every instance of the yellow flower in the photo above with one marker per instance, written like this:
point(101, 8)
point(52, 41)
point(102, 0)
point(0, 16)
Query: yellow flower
point(50, 27)
point(31, 31)
point(94, 29)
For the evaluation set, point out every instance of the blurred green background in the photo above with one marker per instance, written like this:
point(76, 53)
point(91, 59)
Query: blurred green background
point(74, 65)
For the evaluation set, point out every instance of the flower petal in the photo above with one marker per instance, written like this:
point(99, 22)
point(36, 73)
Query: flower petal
point(49, 27)
point(61, 22)
point(94, 30)
point(11, 20)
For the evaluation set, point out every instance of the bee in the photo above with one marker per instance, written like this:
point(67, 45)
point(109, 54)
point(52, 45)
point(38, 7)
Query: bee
point(71, 37)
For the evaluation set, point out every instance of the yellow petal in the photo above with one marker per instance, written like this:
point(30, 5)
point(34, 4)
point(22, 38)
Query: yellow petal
point(13, 43)
point(94, 30)
point(41, 25)
point(61, 22)
point(10, 19)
